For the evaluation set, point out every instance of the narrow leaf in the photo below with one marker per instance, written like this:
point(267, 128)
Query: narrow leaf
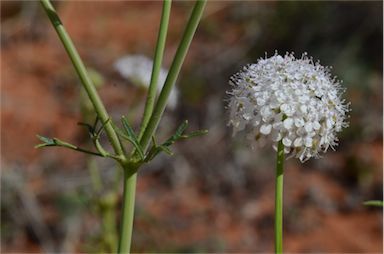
point(166, 150)
point(374, 203)
point(46, 142)
point(195, 134)
point(138, 148)
point(153, 151)
point(130, 136)
point(154, 141)
point(152, 154)
point(128, 129)
point(59, 142)
point(180, 130)
point(42, 145)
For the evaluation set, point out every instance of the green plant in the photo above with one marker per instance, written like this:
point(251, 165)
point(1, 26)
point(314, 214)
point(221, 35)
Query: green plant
point(142, 151)
point(293, 103)
point(378, 203)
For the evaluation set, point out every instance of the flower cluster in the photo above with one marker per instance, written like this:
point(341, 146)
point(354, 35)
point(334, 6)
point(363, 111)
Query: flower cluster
point(138, 69)
point(295, 101)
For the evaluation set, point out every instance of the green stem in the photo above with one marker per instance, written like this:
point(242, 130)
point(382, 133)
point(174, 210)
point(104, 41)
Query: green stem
point(61, 143)
point(159, 52)
point(279, 199)
point(129, 178)
point(84, 77)
point(378, 203)
point(109, 235)
point(109, 226)
point(129, 172)
point(94, 174)
point(173, 72)
point(128, 212)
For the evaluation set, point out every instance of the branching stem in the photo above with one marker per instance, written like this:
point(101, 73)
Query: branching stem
point(152, 113)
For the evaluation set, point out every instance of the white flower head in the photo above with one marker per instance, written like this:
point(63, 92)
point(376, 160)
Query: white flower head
point(138, 69)
point(295, 101)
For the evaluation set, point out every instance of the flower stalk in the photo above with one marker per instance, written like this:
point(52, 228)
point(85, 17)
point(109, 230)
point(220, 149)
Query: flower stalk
point(84, 77)
point(279, 198)
point(158, 58)
point(294, 103)
point(173, 72)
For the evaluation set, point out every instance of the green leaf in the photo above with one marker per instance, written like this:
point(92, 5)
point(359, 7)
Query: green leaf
point(166, 150)
point(46, 142)
point(130, 136)
point(195, 134)
point(59, 142)
point(178, 134)
point(153, 151)
point(151, 154)
point(374, 203)
point(135, 144)
point(45, 139)
point(154, 141)
point(128, 129)
point(156, 149)
point(180, 130)
point(54, 142)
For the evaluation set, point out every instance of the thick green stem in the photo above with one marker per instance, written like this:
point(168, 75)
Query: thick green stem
point(128, 212)
point(173, 72)
point(129, 178)
point(147, 130)
point(159, 52)
point(279, 199)
point(83, 75)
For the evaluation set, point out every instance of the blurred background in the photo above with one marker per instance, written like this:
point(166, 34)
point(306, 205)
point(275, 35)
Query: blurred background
point(215, 194)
